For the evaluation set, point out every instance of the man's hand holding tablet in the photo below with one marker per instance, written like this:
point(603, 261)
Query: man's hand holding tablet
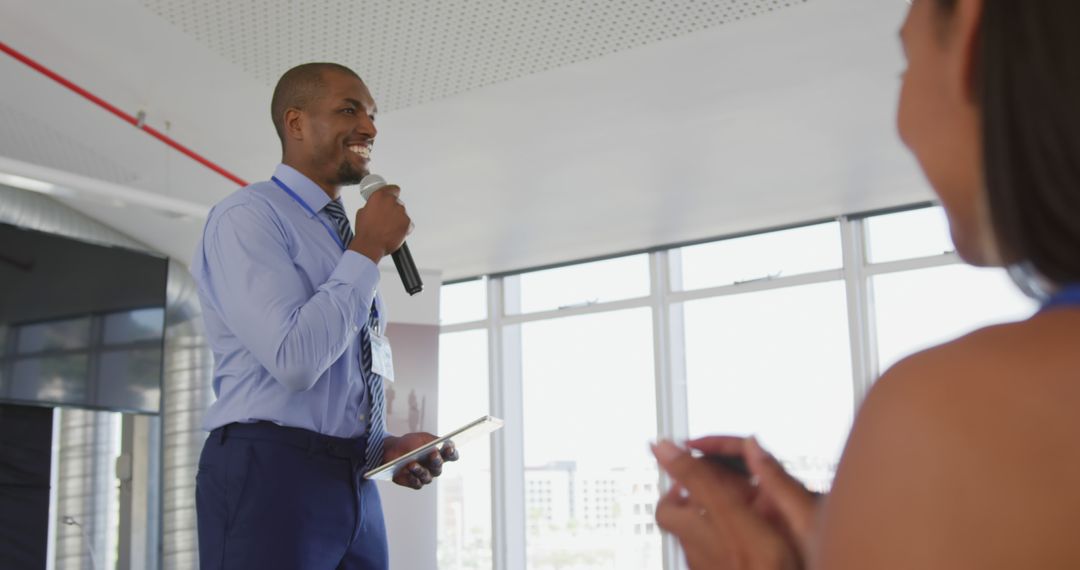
point(413, 460)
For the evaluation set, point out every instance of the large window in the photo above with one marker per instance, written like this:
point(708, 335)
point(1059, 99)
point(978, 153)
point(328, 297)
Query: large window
point(110, 360)
point(909, 234)
point(775, 364)
point(464, 490)
point(584, 285)
point(590, 413)
point(463, 302)
point(762, 257)
point(777, 334)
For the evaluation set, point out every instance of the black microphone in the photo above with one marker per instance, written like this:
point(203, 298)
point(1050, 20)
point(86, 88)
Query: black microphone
point(403, 260)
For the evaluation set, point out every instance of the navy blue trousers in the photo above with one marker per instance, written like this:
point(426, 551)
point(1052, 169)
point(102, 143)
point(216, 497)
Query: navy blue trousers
point(272, 497)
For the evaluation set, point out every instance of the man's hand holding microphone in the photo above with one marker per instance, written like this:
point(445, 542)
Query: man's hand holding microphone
point(371, 186)
point(381, 225)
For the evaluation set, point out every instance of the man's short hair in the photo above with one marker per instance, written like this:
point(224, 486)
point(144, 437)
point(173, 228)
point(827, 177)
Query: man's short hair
point(298, 87)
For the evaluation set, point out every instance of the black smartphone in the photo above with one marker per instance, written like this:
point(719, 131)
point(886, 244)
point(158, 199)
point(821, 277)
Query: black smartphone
point(734, 464)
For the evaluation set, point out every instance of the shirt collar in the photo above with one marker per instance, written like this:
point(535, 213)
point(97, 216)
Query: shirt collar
point(307, 190)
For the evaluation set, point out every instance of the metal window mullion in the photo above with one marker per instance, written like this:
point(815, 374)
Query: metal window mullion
point(914, 264)
point(517, 319)
point(132, 345)
point(462, 327)
point(611, 306)
point(674, 296)
point(507, 455)
point(755, 286)
point(676, 331)
point(858, 288)
point(511, 317)
point(668, 357)
point(53, 353)
point(90, 351)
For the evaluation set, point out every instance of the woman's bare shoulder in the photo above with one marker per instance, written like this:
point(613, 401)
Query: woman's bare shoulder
point(994, 362)
point(955, 446)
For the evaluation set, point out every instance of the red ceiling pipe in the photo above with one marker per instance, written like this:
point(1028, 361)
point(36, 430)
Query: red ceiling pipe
point(123, 116)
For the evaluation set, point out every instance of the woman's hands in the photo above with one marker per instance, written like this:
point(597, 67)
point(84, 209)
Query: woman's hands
point(725, 521)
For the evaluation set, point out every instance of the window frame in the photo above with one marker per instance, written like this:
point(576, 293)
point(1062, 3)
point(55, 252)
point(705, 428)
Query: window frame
point(666, 301)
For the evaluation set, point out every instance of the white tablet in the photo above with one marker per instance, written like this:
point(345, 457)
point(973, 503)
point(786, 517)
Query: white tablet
point(464, 434)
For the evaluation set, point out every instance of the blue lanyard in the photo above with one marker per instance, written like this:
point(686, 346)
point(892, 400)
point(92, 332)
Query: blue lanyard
point(1068, 296)
point(329, 230)
point(299, 200)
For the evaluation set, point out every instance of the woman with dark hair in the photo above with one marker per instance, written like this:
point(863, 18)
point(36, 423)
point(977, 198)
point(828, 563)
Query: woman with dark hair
point(966, 455)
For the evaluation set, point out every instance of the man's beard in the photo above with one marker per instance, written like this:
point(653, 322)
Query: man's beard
point(347, 175)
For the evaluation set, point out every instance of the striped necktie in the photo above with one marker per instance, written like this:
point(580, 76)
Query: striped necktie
point(376, 430)
point(336, 211)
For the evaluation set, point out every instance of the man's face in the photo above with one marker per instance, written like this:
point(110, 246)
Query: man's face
point(341, 130)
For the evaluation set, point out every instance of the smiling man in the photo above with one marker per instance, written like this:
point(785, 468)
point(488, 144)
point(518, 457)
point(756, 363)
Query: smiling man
point(293, 314)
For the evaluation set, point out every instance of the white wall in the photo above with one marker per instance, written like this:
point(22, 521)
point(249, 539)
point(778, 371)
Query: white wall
point(412, 404)
point(419, 309)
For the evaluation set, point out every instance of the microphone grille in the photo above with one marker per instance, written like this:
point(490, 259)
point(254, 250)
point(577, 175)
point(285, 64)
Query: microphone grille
point(370, 184)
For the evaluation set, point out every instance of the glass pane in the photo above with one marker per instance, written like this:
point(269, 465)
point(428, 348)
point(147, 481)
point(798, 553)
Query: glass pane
point(55, 335)
point(589, 415)
point(774, 254)
point(584, 284)
point(134, 326)
point(130, 380)
point(4, 329)
point(463, 302)
point(919, 309)
point(60, 379)
point(86, 498)
point(464, 489)
point(775, 364)
point(907, 235)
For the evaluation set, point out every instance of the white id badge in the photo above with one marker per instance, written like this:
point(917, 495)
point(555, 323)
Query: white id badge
point(382, 358)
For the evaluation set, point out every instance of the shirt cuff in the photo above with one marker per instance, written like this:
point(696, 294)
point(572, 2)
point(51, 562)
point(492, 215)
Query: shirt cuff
point(359, 271)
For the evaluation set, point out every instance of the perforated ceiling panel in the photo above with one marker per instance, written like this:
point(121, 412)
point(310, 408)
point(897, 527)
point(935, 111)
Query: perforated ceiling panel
point(414, 51)
point(30, 140)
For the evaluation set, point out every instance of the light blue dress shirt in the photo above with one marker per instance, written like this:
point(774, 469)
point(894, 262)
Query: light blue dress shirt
point(283, 307)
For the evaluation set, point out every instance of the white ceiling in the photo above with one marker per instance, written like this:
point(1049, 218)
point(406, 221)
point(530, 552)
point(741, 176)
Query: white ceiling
point(415, 51)
point(520, 138)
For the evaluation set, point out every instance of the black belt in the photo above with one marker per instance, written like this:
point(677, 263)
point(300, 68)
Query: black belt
point(313, 442)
